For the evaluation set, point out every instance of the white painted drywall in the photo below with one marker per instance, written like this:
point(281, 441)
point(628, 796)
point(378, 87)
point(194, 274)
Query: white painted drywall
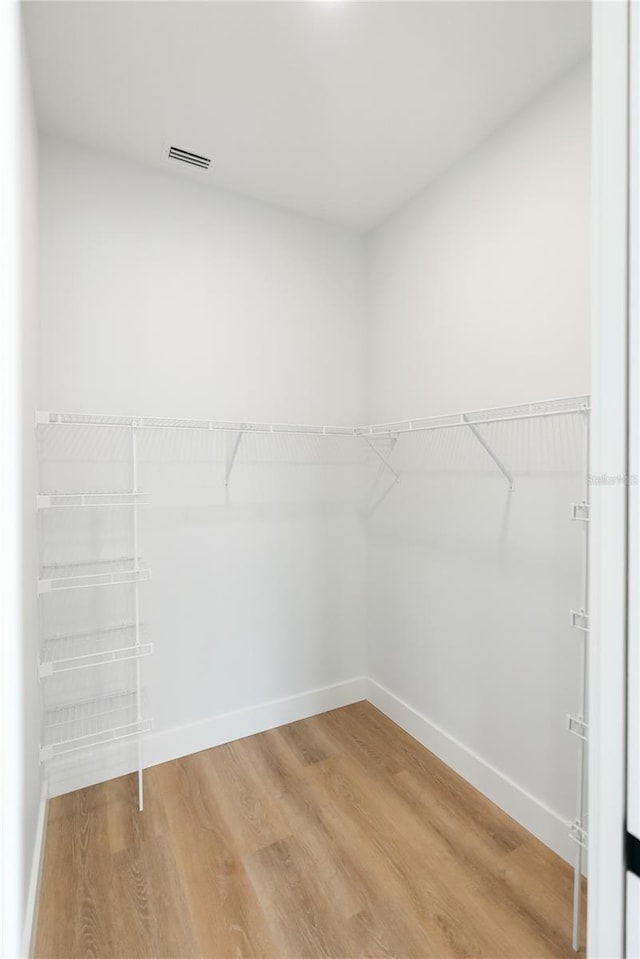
point(479, 296)
point(31, 791)
point(160, 297)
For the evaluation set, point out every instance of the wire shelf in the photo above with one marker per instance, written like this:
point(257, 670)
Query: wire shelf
point(45, 418)
point(564, 406)
point(86, 575)
point(90, 499)
point(113, 644)
point(75, 726)
point(554, 407)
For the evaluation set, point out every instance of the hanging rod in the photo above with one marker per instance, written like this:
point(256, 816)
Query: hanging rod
point(564, 406)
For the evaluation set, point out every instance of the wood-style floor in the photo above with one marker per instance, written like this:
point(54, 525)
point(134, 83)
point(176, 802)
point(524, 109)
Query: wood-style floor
point(338, 836)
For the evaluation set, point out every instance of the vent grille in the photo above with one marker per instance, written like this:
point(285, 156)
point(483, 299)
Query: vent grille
point(184, 156)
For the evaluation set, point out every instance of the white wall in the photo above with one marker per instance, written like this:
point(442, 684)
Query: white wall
point(31, 791)
point(479, 296)
point(160, 297)
point(478, 289)
point(168, 299)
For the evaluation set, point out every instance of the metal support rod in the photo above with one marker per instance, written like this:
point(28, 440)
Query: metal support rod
point(384, 464)
point(582, 709)
point(227, 475)
point(382, 496)
point(483, 443)
point(381, 456)
point(134, 465)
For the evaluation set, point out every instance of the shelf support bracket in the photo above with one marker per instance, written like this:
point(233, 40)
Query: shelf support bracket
point(385, 458)
point(581, 511)
point(483, 443)
point(578, 726)
point(578, 834)
point(232, 458)
point(384, 465)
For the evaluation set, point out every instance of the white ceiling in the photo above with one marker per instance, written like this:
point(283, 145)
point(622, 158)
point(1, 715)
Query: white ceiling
point(341, 110)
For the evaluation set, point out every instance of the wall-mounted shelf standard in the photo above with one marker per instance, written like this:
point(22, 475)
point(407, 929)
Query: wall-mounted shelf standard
point(61, 654)
point(577, 723)
point(87, 575)
point(87, 500)
point(75, 726)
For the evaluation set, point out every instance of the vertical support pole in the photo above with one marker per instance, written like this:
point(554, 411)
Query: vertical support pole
point(134, 469)
point(582, 701)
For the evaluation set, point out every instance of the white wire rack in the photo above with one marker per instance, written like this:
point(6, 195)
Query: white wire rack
point(45, 418)
point(89, 724)
point(84, 725)
point(72, 727)
point(81, 500)
point(553, 407)
point(112, 644)
point(562, 406)
point(88, 575)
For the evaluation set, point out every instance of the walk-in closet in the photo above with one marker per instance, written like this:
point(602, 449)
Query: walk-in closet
point(307, 449)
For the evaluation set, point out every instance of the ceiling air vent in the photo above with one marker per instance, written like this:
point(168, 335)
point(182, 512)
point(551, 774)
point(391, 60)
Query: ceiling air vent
point(193, 159)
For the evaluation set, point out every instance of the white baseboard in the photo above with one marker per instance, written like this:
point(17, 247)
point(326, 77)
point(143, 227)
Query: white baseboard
point(538, 818)
point(165, 745)
point(181, 741)
point(33, 894)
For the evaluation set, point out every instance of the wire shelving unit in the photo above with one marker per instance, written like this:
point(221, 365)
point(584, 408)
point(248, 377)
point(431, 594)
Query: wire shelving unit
point(89, 724)
point(80, 725)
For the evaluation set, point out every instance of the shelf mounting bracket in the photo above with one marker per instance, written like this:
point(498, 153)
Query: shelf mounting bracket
point(581, 511)
point(577, 725)
point(384, 458)
point(384, 465)
point(483, 443)
point(232, 458)
point(579, 620)
point(578, 834)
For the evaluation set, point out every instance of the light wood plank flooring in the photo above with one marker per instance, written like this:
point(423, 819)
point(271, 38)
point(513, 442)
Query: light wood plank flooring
point(338, 836)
